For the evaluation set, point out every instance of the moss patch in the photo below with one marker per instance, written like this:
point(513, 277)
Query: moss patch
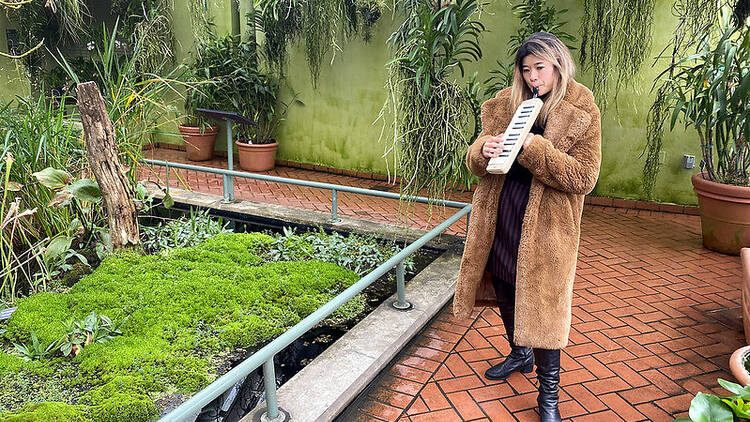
point(186, 308)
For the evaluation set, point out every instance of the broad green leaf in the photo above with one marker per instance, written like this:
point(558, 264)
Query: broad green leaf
point(85, 190)
point(167, 200)
point(14, 186)
point(709, 408)
point(53, 178)
point(61, 199)
point(736, 389)
point(57, 247)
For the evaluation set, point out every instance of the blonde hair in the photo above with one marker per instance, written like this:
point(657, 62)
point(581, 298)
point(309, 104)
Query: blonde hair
point(549, 48)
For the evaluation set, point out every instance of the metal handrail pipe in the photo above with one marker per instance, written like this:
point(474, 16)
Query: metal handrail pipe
point(226, 381)
point(321, 185)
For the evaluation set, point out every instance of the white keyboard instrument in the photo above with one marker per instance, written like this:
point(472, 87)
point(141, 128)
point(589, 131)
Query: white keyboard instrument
point(515, 135)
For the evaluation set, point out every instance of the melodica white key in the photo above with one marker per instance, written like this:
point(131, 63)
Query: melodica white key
point(518, 128)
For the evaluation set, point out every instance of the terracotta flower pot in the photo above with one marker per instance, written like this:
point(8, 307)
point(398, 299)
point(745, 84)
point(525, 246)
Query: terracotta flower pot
point(745, 258)
point(199, 145)
point(725, 215)
point(737, 365)
point(257, 157)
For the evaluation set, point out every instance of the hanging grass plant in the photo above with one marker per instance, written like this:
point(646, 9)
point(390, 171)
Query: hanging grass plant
point(322, 24)
point(432, 113)
point(615, 34)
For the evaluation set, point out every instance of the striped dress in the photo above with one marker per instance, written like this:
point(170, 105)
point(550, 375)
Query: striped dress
point(510, 212)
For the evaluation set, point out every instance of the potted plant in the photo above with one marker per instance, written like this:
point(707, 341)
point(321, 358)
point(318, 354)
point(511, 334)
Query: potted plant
point(254, 94)
point(197, 131)
point(710, 92)
point(255, 145)
point(210, 75)
point(709, 407)
point(739, 357)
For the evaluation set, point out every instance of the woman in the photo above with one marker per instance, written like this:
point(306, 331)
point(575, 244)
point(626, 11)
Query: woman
point(523, 235)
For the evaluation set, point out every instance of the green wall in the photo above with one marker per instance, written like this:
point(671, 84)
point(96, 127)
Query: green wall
point(337, 126)
point(13, 75)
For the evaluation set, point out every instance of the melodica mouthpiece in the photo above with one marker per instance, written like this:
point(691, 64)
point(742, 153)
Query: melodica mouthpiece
point(536, 92)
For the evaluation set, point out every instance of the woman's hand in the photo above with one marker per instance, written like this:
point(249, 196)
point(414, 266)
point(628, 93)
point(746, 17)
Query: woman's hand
point(493, 146)
point(527, 141)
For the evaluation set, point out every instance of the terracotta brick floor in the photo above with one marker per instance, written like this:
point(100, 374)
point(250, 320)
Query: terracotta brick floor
point(655, 318)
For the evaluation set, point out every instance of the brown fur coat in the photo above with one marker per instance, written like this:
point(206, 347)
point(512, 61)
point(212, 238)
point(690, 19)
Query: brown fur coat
point(565, 163)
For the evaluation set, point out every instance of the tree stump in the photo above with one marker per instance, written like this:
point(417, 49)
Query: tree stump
point(101, 149)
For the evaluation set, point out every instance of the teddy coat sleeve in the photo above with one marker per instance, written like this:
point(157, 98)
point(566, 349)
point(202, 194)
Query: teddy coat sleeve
point(574, 171)
point(475, 161)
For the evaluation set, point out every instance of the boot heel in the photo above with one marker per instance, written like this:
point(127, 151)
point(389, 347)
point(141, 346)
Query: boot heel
point(528, 368)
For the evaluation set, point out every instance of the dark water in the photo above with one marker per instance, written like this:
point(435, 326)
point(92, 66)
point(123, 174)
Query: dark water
point(232, 407)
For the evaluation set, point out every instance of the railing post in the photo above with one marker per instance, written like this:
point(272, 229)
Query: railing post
point(468, 216)
point(272, 405)
point(227, 179)
point(334, 207)
point(400, 303)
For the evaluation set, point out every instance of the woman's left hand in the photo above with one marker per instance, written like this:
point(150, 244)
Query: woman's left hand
point(529, 138)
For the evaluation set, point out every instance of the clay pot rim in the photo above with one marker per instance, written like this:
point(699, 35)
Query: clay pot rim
point(737, 365)
point(246, 145)
point(702, 185)
point(196, 130)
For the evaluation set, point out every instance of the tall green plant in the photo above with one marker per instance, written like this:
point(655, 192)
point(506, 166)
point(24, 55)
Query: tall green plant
point(136, 102)
point(710, 92)
point(534, 16)
point(696, 20)
point(432, 113)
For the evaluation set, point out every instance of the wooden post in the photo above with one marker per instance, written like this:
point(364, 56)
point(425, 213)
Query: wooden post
point(101, 149)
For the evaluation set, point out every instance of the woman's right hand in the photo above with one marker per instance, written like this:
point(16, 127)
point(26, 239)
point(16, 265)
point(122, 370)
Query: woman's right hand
point(493, 146)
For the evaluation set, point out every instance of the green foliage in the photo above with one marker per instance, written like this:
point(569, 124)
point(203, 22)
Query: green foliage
point(36, 351)
point(185, 231)
point(138, 103)
point(359, 253)
point(151, 22)
point(185, 308)
point(709, 91)
point(228, 78)
point(432, 113)
point(94, 329)
point(49, 412)
point(712, 408)
point(534, 16)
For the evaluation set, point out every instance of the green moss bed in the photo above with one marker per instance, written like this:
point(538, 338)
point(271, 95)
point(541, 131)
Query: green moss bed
point(189, 311)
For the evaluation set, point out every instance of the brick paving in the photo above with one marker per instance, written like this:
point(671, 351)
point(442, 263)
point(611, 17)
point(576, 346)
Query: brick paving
point(655, 318)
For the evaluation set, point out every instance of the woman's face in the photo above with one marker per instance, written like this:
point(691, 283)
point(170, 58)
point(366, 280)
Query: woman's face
point(538, 73)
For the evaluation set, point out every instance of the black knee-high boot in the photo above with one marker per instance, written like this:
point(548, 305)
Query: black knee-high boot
point(520, 358)
point(548, 375)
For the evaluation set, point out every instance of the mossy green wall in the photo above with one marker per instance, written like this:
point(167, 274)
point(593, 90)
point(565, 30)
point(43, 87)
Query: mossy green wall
point(13, 75)
point(335, 126)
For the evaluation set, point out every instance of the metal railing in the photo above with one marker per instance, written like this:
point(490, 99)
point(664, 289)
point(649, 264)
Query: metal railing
point(265, 355)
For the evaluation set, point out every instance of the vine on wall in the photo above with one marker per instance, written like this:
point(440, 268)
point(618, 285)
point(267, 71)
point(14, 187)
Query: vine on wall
point(321, 24)
point(616, 38)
